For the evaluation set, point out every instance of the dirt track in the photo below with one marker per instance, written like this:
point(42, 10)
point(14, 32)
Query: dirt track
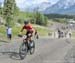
point(47, 51)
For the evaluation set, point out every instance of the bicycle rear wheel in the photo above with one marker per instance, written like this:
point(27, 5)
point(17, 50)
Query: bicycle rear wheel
point(32, 47)
point(23, 51)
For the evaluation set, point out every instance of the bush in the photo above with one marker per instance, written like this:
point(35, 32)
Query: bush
point(41, 19)
point(20, 21)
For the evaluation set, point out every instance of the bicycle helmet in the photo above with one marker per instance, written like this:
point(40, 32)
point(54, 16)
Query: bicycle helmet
point(26, 22)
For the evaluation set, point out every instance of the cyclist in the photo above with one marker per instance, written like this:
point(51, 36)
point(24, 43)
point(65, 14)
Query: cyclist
point(29, 30)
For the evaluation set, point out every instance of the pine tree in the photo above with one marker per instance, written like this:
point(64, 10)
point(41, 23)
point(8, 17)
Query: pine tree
point(8, 11)
point(0, 8)
point(41, 19)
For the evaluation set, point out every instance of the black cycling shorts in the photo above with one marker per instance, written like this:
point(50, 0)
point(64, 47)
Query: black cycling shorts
point(29, 32)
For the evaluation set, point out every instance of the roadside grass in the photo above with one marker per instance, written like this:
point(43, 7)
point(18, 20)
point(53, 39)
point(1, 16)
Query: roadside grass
point(2, 30)
point(42, 31)
point(73, 34)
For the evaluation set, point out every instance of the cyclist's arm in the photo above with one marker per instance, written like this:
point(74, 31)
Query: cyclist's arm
point(35, 32)
point(22, 28)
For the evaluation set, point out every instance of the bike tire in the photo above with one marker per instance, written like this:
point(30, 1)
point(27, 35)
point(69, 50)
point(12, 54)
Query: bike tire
point(32, 48)
point(23, 51)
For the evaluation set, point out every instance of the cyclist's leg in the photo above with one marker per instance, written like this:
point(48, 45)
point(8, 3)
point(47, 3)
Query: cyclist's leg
point(26, 39)
point(30, 36)
point(27, 36)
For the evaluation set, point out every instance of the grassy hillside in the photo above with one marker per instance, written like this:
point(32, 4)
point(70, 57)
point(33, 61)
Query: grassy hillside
point(16, 30)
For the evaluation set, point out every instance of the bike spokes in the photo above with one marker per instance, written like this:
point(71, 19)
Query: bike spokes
point(23, 51)
point(32, 47)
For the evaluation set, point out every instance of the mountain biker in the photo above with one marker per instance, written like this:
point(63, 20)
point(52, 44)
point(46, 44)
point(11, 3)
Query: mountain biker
point(29, 30)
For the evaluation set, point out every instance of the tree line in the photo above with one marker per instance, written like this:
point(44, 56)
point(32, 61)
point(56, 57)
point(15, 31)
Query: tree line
point(10, 11)
point(51, 16)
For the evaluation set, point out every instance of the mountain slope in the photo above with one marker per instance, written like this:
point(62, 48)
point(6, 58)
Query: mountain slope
point(40, 7)
point(62, 6)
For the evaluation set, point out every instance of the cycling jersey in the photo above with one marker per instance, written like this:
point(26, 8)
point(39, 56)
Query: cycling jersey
point(28, 28)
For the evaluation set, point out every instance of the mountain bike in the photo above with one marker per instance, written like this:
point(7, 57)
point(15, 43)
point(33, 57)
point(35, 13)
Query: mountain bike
point(26, 46)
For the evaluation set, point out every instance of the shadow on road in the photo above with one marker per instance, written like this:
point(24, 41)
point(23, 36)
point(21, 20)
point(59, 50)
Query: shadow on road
point(68, 41)
point(70, 56)
point(12, 55)
point(3, 41)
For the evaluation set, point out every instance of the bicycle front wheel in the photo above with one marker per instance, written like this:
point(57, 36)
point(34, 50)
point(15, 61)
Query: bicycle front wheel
point(32, 47)
point(23, 51)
